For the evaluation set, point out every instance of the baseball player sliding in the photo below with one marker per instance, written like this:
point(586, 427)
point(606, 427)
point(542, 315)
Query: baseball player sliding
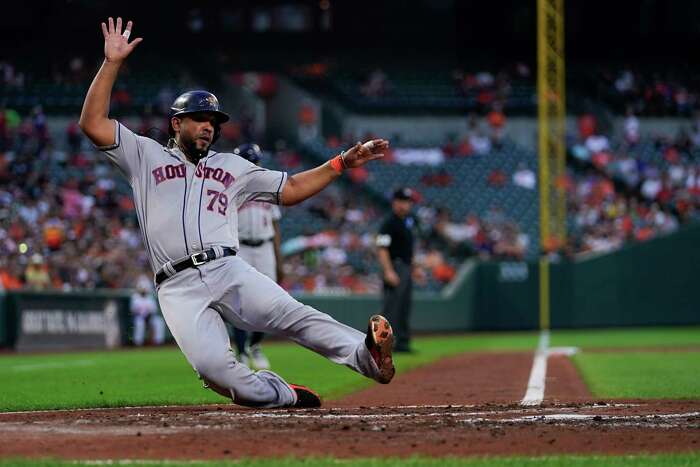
point(187, 198)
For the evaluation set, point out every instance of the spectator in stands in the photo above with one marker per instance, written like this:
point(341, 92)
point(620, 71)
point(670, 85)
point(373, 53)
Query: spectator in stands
point(433, 260)
point(497, 123)
point(651, 186)
point(480, 143)
point(524, 177)
point(631, 128)
point(625, 83)
point(74, 137)
point(10, 276)
point(308, 122)
point(587, 126)
point(509, 243)
point(596, 143)
point(439, 178)
point(497, 178)
point(36, 274)
point(376, 85)
point(10, 77)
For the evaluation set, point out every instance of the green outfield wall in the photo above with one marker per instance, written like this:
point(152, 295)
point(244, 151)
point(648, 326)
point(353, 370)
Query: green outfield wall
point(654, 283)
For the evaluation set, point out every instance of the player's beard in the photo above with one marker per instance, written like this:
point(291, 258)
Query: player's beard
point(190, 147)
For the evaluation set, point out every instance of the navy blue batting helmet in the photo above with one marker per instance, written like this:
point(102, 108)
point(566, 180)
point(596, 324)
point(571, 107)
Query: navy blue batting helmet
point(198, 101)
point(250, 152)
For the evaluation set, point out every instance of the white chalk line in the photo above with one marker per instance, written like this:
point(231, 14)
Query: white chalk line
point(535, 385)
point(245, 412)
point(239, 410)
point(534, 394)
point(576, 416)
point(467, 418)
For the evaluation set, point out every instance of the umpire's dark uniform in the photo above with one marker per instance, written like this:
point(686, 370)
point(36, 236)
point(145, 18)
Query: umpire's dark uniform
point(396, 236)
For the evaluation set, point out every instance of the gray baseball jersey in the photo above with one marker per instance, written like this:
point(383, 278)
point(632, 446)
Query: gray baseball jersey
point(256, 224)
point(184, 208)
point(255, 220)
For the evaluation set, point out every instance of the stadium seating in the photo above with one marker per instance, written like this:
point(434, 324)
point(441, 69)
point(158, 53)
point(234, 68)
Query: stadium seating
point(423, 90)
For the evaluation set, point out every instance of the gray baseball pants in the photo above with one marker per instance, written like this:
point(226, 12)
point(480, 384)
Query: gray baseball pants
point(196, 302)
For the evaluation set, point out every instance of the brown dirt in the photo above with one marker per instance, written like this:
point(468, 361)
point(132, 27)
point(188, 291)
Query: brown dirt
point(563, 383)
point(466, 405)
point(466, 379)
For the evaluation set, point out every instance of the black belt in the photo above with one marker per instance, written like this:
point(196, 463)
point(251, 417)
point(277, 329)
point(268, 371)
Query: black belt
point(253, 243)
point(196, 259)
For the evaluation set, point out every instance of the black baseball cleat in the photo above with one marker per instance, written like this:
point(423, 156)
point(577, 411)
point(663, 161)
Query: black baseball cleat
point(380, 341)
point(306, 398)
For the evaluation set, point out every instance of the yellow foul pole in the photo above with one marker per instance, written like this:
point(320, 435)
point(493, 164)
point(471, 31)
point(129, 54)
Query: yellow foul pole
point(551, 106)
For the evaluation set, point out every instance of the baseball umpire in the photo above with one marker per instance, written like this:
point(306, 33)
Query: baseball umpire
point(395, 254)
point(187, 197)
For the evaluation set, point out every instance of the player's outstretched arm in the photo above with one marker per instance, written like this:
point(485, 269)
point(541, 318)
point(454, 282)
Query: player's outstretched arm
point(306, 184)
point(94, 119)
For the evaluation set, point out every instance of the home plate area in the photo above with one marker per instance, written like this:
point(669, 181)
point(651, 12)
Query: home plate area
point(224, 431)
point(460, 406)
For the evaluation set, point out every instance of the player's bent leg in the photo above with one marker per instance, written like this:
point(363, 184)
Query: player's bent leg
point(216, 364)
point(263, 305)
point(201, 334)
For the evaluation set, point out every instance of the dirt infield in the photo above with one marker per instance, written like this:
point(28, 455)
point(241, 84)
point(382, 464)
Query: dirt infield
point(464, 405)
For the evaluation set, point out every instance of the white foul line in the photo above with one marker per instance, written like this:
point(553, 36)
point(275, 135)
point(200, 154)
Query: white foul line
point(535, 385)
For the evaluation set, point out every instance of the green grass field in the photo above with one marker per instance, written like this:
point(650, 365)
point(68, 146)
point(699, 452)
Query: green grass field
point(629, 373)
point(646, 375)
point(163, 377)
point(627, 337)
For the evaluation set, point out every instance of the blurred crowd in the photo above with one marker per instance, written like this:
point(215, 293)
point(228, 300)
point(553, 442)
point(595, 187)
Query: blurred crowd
point(67, 220)
point(651, 93)
point(328, 241)
point(63, 221)
point(491, 237)
point(603, 220)
point(490, 89)
point(636, 186)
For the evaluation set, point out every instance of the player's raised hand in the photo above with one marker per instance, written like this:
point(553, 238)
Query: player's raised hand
point(117, 45)
point(361, 153)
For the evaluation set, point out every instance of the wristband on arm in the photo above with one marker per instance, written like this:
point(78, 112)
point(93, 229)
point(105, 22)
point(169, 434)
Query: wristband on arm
point(338, 163)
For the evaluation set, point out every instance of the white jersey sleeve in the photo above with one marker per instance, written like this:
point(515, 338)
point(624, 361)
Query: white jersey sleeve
point(126, 151)
point(262, 185)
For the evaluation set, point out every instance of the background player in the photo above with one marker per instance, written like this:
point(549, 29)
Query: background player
point(144, 310)
point(186, 198)
point(259, 237)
